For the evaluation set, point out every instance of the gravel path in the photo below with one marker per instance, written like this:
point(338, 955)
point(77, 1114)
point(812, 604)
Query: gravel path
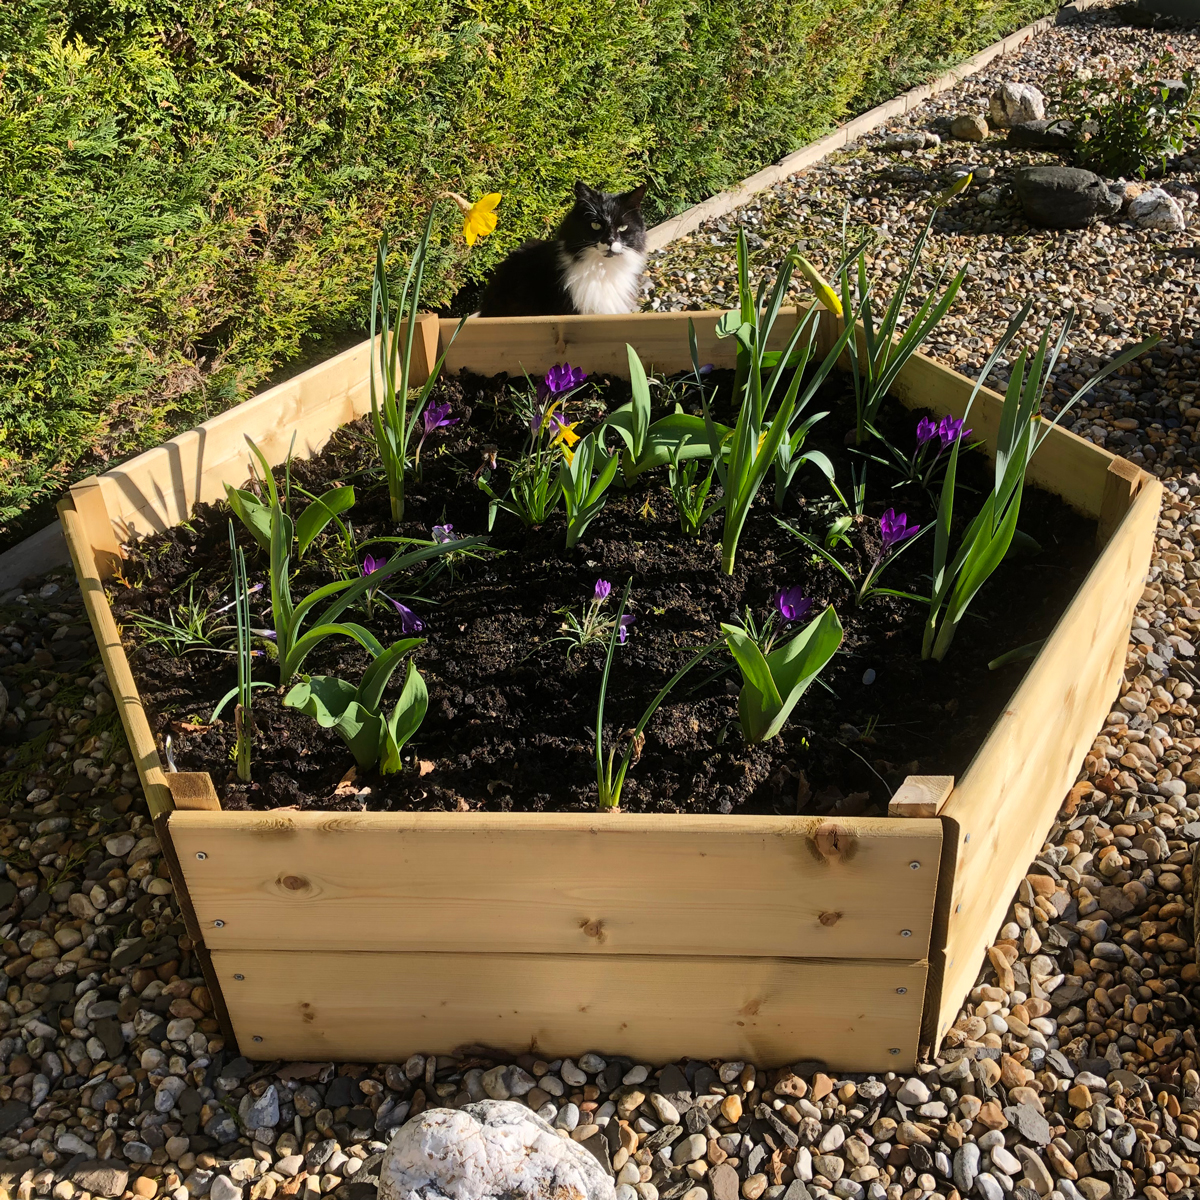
point(1125, 282)
point(114, 1079)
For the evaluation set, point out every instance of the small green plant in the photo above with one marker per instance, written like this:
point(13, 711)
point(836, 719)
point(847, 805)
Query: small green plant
point(989, 535)
point(256, 515)
point(188, 627)
point(243, 712)
point(594, 623)
point(356, 714)
point(689, 495)
point(773, 683)
point(584, 477)
point(610, 777)
point(753, 446)
point(391, 421)
point(885, 350)
point(1130, 119)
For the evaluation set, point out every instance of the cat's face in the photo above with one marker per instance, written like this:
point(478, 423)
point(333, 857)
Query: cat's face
point(605, 222)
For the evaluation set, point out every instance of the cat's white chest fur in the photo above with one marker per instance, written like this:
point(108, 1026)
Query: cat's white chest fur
point(598, 282)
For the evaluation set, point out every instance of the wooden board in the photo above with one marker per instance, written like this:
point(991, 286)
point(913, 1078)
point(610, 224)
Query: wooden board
point(116, 665)
point(158, 489)
point(1002, 807)
point(605, 884)
point(382, 1007)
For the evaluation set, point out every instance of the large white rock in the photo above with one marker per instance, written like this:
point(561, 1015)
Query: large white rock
point(495, 1148)
point(1012, 103)
point(1157, 209)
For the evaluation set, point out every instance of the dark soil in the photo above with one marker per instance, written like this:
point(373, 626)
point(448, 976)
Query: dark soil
point(511, 715)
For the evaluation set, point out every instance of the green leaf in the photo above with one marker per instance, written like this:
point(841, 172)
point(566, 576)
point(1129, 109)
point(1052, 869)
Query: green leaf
point(640, 388)
point(795, 665)
point(319, 513)
point(325, 698)
point(759, 699)
point(253, 514)
point(405, 719)
point(375, 678)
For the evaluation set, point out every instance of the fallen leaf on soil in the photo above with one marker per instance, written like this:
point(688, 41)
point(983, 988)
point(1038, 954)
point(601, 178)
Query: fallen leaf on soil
point(425, 766)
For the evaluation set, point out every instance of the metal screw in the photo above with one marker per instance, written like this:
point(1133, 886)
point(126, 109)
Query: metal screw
point(239, 978)
point(906, 933)
point(201, 855)
point(958, 908)
point(966, 839)
point(219, 924)
point(894, 1050)
point(256, 1038)
point(914, 866)
point(901, 991)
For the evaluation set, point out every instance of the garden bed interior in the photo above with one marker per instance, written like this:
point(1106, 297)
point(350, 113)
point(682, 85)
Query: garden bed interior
point(763, 934)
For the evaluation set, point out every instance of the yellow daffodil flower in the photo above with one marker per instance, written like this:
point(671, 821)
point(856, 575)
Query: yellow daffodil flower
point(820, 286)
point(959, 185)
point(564, 437)
point(479, 219)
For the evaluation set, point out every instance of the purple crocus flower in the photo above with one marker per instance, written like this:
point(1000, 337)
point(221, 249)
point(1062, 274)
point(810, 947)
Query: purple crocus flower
point(409, 621)
point(372, 564)
point(927, 430)
point(602, 590)
point(436, 416)
point(623, 627)
point(444, 534)
point(894, 528)
point(561, 377)
point(950, 430)
point(792, 603)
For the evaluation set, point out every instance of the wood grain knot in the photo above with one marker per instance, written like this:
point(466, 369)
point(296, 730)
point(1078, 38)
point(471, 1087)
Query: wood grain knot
point(307, 1013)
point(830, 918)
point(831, 843)
point(594, 929)
point(294, 883)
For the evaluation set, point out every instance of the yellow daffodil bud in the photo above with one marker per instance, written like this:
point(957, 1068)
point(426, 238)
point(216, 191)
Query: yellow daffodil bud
point(820, 285)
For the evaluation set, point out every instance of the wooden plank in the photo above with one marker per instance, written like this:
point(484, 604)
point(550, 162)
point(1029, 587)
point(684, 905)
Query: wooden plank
point(561, 882)
point(1001, 809)
point(857, 1016)
point(160, 488)
point(1121, 484)
point(194, 791)
point(921, 796)
point(96, 524)
point(116, 665)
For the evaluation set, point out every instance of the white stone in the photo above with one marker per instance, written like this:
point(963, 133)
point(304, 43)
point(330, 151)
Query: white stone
point(912, 1092)
point(636, 1075)
point(223, 1188)
point(493, 1148)
point(1157, 209)
point(667, 1112)
point(1013, 103)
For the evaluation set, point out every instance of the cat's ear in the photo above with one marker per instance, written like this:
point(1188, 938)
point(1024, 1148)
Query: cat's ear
point(582, 191)
point(632, 201)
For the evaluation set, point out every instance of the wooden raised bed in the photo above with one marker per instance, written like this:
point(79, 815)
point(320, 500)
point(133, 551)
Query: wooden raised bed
point(773, 939)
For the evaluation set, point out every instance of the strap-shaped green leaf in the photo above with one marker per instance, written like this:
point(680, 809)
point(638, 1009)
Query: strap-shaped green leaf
point(379, 671)
point(305, 645)
point(319, 513)
point(759, 700)
point(253, 514)
point(405, 719)
point(640, 389)
point(325, 698)
point(797, 663)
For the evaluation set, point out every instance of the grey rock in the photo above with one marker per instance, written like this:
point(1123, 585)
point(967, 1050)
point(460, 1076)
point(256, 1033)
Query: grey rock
point(1064, 198)
point(263, 1113)
point(912, 1092)
point(1030, 1123)
point(1123, 1140)
point(224, 1188)
point(101, 1178)
point(965, 1166)
point(988, 1187)
point(1157, 209)
point(1042, 135)
point(1014, 103)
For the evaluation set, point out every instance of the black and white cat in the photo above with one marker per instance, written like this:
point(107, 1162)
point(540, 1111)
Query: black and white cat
point(591, 265)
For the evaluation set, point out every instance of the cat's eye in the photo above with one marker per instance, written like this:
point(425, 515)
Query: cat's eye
point(622, 228)
point(595, 224)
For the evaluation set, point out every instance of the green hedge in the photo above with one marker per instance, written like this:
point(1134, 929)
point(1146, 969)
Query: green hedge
point(190, 189)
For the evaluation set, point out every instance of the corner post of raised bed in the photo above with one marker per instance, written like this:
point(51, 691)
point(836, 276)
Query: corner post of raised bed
point(1122, 483)
point(921, 796)
point(926, 796)
point(88, 498)
point(426, 347)
point(192, 791)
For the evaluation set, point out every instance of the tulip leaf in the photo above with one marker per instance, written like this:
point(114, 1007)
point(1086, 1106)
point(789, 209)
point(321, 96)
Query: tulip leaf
point(252, 512)
point(405, 719)
point(319, 513)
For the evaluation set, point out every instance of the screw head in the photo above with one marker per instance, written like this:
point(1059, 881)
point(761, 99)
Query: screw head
point(906, 933)
point(966, 839)
point(201, 855)
point(219, 924)
point(914, 866)
point(899, 991)
point(894, 1050)
point(256, 1038)
point(239, 978)
point(958, 908)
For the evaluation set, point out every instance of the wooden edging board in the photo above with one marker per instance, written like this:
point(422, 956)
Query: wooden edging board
point(320, 914)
